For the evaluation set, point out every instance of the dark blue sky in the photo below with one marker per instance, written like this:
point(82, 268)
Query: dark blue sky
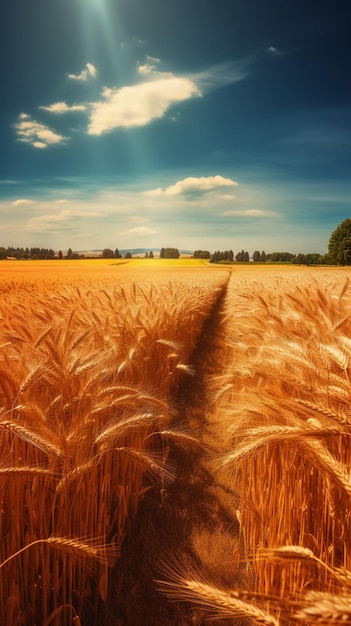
point(193, 124)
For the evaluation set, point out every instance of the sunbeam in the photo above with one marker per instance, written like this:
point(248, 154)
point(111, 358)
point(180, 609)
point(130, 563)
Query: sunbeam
point(104, 42)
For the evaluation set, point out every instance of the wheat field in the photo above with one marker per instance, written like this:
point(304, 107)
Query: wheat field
point(281, 421)
point(105, 370)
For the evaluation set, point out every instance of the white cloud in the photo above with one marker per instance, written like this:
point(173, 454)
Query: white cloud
point(140, 231)
point(221, 75)
point(84, 75)
point(149, 66)
point(193, 186)
point(37, 134)
point(274, 51)
point(63, 107)
point(146, 68)
point(140, 104)
point(22, 201)
point(58, 222)
point(40, 145)
point(249, 213)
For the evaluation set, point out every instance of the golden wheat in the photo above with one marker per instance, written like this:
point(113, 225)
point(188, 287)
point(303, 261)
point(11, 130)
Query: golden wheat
point(283, 413)
point(87, 380)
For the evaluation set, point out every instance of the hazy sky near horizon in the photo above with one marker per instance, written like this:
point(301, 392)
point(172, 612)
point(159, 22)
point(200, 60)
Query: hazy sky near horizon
point(174, 123)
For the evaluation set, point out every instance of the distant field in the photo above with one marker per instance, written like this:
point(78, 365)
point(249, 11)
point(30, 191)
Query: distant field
point(105, 268)
point(89, 269)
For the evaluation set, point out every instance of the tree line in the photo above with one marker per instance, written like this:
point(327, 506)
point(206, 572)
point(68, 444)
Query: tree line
point(339, 253)
point(274, 257)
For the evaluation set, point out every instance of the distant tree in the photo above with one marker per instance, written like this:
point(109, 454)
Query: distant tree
point(202, 254)
point(263, 256)
point(240, 256)
point(151, 254)
point(256, 256)
point(146, 255)
point(127, 255)
point(107, 253)
point(307, 259)
point(282, 257)
point(69, 253)
point(169, 253)
point(60, 255)
point(246, 257)
point(339, 247)
point(226, 256)
point(117, 254)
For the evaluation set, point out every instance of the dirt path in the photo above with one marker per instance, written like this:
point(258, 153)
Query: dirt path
point(192, 521)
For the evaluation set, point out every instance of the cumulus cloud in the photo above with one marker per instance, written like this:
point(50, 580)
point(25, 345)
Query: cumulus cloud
point(22, 201)
point(139, 104)
point(37, 134)
point(140, 231)
point(150, 65)
point(193, 186)
point(63, 107)
point(90, 71)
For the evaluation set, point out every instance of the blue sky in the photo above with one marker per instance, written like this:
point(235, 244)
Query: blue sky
point(192, 123)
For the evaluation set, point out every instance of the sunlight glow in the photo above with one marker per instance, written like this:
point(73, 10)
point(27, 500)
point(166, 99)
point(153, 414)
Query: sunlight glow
point(104, 45)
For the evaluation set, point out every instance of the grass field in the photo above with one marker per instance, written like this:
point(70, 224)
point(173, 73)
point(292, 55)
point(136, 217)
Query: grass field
point(174, 429)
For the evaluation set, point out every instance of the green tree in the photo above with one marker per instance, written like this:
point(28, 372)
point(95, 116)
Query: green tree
point(256, 256)
point(151, 254)
point(263, 256)
point(107, 253)
point(281, 257)
point(117, 254)
point(312, 258)
point(339, 248)
point(169, 253)
point(202, 254)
